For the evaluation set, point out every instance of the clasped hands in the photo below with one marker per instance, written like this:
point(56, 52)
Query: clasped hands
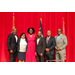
point(47, 50)
point(40, 54)
point(57, 48)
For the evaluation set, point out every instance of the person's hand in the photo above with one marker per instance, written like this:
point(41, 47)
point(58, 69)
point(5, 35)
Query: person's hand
point(47, 50)
point(41, 54)
point(58, 48)
point(11, 51)
point(35, 54)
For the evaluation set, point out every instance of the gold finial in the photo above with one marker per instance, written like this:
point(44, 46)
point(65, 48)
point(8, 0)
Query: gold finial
point(13, 27)
point(13, 13)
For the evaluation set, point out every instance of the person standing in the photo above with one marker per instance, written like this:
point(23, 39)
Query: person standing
point(61, 43)
point(21, 48)
point(30, 54)
point(12, 45)
point(50, 45)
point(39, 48)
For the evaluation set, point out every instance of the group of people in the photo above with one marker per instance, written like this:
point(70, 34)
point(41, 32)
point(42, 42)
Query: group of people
point(34, 48)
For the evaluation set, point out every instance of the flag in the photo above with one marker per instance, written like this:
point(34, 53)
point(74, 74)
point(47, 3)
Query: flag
point(63, 32)
point(13, 26)
point(63, 29)
point(40, 29)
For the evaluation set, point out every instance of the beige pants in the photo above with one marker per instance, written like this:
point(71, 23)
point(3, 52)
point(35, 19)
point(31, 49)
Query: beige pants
point(60, 56)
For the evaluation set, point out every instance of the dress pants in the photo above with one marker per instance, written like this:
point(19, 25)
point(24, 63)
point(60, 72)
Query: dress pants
point(49, 56)
point(60, 56)
point(13, 56)
point(40, 58)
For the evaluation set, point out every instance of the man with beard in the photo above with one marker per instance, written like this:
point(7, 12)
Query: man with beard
point(39, 48)
point(12, 45)
point(61, 43)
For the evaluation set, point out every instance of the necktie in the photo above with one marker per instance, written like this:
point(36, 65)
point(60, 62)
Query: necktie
point(47, 39)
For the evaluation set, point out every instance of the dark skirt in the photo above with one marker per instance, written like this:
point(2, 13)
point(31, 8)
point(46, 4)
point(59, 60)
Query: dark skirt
point(21, 55)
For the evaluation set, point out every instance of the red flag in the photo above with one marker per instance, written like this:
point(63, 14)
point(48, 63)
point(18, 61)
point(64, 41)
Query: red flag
point(63, 32)
point(13, 24)
point(63, 29)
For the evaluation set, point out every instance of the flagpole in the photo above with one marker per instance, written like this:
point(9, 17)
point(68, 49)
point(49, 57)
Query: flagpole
point(13, 21)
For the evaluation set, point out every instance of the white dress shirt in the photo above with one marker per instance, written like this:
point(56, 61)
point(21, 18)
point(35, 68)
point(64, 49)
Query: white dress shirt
point(16, 38)
point(38, 40)
point(23, 45)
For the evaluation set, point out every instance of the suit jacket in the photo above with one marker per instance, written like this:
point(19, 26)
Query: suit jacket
point(18, 45)
point(40, 48)
point(50, 45)
point(62, 43)
point(11, 42)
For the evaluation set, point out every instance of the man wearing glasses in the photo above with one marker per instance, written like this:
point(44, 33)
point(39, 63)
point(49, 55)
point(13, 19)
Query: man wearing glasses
point(61, 43)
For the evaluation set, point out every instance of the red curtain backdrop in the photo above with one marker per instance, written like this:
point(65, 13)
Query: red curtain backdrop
point(50, 21)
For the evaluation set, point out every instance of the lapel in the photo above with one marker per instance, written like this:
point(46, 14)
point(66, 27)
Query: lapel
point(49, 39)
point(59, 38)
point(14, 37)
point(39, 41)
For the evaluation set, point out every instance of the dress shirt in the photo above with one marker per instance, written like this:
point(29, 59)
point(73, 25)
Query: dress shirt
point(23, 45)
point(38, 40)
point(58, 36)
point(16, 38)
point(47, 37)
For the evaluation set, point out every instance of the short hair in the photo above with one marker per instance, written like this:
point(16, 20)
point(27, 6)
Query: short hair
point(48, 30)
point(39, 31)
point(60, 29)
point(32, 29)
point(22, 34)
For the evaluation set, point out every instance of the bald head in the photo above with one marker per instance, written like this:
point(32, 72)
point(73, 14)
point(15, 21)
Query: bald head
point(39, 34)
point(59, 31)
point(14, 30)
point(48, 33)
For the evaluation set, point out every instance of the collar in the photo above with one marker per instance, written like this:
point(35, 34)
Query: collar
point(39, 38)
point(49, 36)
point(59, 35)
point(22, 39)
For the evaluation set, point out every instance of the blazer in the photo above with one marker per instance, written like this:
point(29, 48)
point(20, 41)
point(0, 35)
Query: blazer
point(50, 45)
point(40, 48)
point(11, 42)
point(62, 43)
point(18, 45)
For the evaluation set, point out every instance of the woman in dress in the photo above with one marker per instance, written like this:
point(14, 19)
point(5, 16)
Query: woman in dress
point(21, 48)
point(30, 54)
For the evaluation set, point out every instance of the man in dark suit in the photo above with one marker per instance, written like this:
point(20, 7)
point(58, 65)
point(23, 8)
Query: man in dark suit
point(39, 48)
point(50, 45)
point(12, 45)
